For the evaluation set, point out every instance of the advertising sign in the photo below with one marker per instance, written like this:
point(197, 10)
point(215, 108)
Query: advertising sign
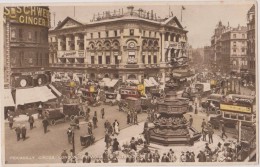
point(236, 108)
point(71, 54)
point(173, 45)
point(34, 15)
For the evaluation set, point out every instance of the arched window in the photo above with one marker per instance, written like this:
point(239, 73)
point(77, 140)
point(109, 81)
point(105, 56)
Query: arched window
point(132, 76)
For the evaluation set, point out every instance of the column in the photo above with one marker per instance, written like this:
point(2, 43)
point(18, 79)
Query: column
point(76, 42)
point(163, 48)
point(59, 44)
point(67, 43)
point(163, 78)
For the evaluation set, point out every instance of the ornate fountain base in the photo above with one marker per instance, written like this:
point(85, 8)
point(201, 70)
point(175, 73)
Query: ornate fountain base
point(174, 137)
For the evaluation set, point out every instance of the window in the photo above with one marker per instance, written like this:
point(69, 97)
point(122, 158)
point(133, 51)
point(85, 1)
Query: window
point(155, 59)
point(29, 35)
point(107, 34)
point(116, 60)
point(99, 35)
point(234, 35)
point(243, 42)
point(243, 35)
point(155, 34)
point(234, 43)
point(99, 59)
point(143, 59)
point(131, 32)
point(115, 32)
point(243, 49)
point(144, 33)
point(36, 36)
point(21, 34)
point(150, 33)
point(107, 59)
point(91, 35)
point(92, 60)
point(234, 50)
point(13, 35)
point(149, 59)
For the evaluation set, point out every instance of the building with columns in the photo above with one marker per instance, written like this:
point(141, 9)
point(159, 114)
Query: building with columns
point(128, 45)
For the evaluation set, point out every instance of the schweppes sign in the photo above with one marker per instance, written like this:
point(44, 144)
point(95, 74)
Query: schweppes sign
point(34, 15)
point(235, 108)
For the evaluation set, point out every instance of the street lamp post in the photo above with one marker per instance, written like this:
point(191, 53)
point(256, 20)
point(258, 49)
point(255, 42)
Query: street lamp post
point(239, 85)
point(73, 143)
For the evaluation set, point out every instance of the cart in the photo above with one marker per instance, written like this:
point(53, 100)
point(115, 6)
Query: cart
point(111, 98)
point(72, 110)
point(54, 115)
point(133, 103)
point(91, 98)
point(87, 140)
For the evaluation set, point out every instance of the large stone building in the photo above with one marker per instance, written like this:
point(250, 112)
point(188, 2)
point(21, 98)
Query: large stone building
point(26, 46)
point(230, 48)
point(130, 45)
point(251, 42)
point(209, 56)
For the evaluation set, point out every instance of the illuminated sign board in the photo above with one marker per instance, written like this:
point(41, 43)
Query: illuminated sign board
point(236, 108)
point(33, 15)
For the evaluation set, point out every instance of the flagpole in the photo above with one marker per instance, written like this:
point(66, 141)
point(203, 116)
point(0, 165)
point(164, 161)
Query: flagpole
point(181, 14)
point(169, 11)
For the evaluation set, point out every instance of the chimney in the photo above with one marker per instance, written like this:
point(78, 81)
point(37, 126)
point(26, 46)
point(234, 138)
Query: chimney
point(152, 14)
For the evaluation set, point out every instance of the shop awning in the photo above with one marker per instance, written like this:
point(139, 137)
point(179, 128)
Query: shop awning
point(112, 83)
point(32, 95)
point(55, 90)
point(148, 83)
point(134, 81)
point(45, 93)
point(8, 98)
point(155, 83)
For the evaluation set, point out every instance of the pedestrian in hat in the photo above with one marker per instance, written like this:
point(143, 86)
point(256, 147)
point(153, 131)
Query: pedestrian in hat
point(183, 157)
point(86, 158)
point(45, 123)
point(115, 145)
point(156, 156)
point(18, 132)
point(105, 156)
point(90, 128)
point(31, 121)
point(165, 158)
point(190, 121)
point(69, 134)
point(210, 132)
point(11, 121)
point(64, 156)
point(102, 113)
point(223, 132)
point(201, 156)
point(95, 120)
point(23, 131)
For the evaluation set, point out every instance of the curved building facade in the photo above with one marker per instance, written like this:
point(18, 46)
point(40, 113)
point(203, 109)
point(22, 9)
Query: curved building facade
point(131, 45)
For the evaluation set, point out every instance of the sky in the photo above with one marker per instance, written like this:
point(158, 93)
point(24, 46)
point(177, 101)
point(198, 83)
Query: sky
point(199, 18)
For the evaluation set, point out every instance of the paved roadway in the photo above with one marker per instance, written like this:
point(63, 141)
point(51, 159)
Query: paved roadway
point(45, 148)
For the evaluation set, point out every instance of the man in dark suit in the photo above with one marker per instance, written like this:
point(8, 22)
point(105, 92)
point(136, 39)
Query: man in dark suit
point(45, 124)
point(18, 132)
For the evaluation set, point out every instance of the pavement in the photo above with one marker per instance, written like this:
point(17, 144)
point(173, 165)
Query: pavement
point(125, 136)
